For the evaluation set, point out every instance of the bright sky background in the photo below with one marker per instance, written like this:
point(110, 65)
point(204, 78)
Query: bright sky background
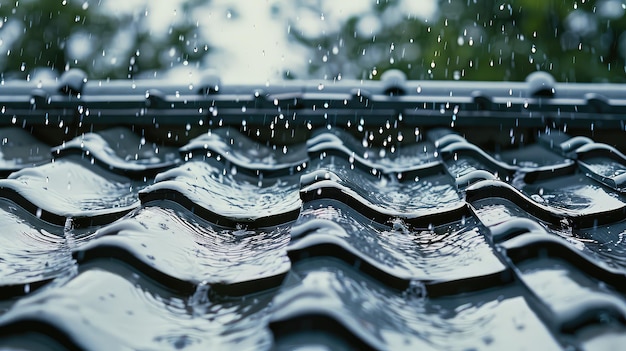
point(249, 37)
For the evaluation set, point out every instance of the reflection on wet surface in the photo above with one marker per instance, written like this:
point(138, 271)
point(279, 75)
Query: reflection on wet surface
point(168, 275)
point(447, 252)
point(174, 241)
point(399, 320)
point(133, 313)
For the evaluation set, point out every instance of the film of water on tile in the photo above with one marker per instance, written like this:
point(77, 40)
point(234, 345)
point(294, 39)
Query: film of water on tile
point(388, 175)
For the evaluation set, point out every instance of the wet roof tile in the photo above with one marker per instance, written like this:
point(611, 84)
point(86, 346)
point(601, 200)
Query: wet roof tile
point(349, 228)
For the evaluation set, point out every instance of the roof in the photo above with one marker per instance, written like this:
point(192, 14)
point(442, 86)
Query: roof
point(371, 215)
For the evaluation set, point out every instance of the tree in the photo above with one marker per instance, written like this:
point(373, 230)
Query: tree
point(581, 41)
point(60, 34)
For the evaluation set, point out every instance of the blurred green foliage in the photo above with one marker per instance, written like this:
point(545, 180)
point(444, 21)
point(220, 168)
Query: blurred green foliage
point(62, 34)
point(575, 41)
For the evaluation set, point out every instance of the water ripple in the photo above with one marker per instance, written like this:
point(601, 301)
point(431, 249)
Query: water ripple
point(71, 187)
point(30, 253)
point(448, 252)
point(386, 319)
point(170, 239)
point(429, 193)
point(135, 314)
point(232, 198)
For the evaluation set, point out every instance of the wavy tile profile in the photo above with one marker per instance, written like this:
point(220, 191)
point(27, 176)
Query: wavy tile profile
point(577, 290)
point(164, 239)
point(603, 163)
point(72, 188)
point(577, 287)
point(532, 245)
point(245, 154)
point(353, 238)
point(226, 199)
point(330, 297)
point(447, 259)
point(431, 198)
point(575, 300)
point(133, 314)
point(575, 205)
point(600, 246)
point(338, 142)
point(563, 143)
point(532, 162)
point(121, 151)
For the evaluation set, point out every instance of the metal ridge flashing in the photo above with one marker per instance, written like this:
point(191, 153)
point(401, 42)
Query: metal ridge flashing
point(536, 102)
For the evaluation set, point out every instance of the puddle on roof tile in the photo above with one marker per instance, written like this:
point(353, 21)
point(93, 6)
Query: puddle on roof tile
point(419, 195)
point(103, 310)
point(29, 253)
point(491, 212)
point(605, 167)
point(387, 319)
point(172, 240)
point(73, 187)
point(231, 196)
point(447, 252)
point(608, 242)
point(576, 194)
point(605, 171)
